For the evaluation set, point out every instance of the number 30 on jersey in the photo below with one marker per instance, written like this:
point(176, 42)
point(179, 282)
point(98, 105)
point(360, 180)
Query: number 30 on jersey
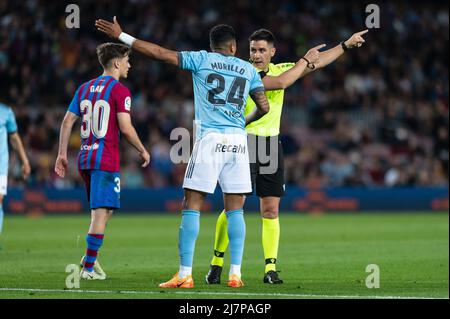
point(95, 119)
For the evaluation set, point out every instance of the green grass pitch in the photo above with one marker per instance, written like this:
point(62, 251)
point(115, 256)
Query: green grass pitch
point(319, 257)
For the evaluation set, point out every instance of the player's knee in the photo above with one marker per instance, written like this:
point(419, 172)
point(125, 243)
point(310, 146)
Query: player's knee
point(193, 200)
point(100, 215)
point(234, 202)
point(270, 212)
point(189, 204)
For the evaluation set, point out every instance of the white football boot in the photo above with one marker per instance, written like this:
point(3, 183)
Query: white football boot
point(97, 269)
point(90, 275)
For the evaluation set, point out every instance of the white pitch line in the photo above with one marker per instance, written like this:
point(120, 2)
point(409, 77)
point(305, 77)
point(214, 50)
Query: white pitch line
point(161, 293)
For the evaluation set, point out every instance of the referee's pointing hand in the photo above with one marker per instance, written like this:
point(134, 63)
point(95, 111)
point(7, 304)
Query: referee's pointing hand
point(356, 40)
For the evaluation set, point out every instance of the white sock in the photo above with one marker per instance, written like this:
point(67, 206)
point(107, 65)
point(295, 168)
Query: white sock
point(184, 271)
point(235, 270)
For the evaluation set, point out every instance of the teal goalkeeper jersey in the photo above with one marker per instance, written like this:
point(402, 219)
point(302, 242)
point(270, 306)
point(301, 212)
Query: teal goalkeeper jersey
point(7, 126)
point(222, 84)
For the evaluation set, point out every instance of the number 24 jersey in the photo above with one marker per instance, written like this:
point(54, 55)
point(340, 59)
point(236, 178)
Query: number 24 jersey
point(222, 84)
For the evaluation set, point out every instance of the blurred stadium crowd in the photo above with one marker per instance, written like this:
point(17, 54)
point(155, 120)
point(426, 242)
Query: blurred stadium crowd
point(376, 117)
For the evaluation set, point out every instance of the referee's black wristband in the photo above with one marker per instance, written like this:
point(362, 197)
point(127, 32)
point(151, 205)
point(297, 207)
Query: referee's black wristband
point(344, 47)
point(305, 60)
point(309, 65)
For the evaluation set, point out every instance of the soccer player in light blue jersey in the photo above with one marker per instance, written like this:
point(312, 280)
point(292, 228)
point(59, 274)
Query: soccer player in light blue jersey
point(8, 126)
point(222, 84)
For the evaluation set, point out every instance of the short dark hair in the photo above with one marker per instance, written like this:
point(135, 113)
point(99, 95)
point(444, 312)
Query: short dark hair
point(109, 51)
point(262, 34)
point(221, 34)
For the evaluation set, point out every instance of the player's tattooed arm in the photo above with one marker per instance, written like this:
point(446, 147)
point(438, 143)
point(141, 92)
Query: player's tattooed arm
point(262, 107)
point(61, 164)
point(154, 51)
point(17, 144)
point(128, 131)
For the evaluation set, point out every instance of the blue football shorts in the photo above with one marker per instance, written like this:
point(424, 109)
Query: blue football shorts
point(102, 188)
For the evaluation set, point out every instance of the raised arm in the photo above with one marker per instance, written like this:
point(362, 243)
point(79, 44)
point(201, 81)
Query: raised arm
point(262, 107)
point(17, 144)
point(154, 51)
point(331, 55)
point(62, 163)
point(287, 78)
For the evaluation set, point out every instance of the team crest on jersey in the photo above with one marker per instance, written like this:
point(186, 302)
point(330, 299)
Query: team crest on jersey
point(127, 103)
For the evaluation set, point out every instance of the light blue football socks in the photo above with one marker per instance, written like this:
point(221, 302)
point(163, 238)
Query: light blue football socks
point(236, 235)
point(187, 236)
point(189, 228)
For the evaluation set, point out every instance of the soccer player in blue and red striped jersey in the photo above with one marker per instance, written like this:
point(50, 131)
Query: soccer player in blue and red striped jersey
point(104, 106)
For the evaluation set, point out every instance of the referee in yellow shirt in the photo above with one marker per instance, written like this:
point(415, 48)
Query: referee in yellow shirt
point(267, 171)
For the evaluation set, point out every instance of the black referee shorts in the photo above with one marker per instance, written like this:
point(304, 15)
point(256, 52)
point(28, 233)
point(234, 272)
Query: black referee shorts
point(266, 165)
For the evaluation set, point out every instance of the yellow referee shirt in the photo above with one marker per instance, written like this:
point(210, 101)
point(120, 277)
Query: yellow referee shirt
point(269, 124)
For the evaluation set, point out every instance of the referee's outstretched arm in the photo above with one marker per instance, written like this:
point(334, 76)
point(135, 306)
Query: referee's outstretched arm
point(331, 55)
point(287, 78)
